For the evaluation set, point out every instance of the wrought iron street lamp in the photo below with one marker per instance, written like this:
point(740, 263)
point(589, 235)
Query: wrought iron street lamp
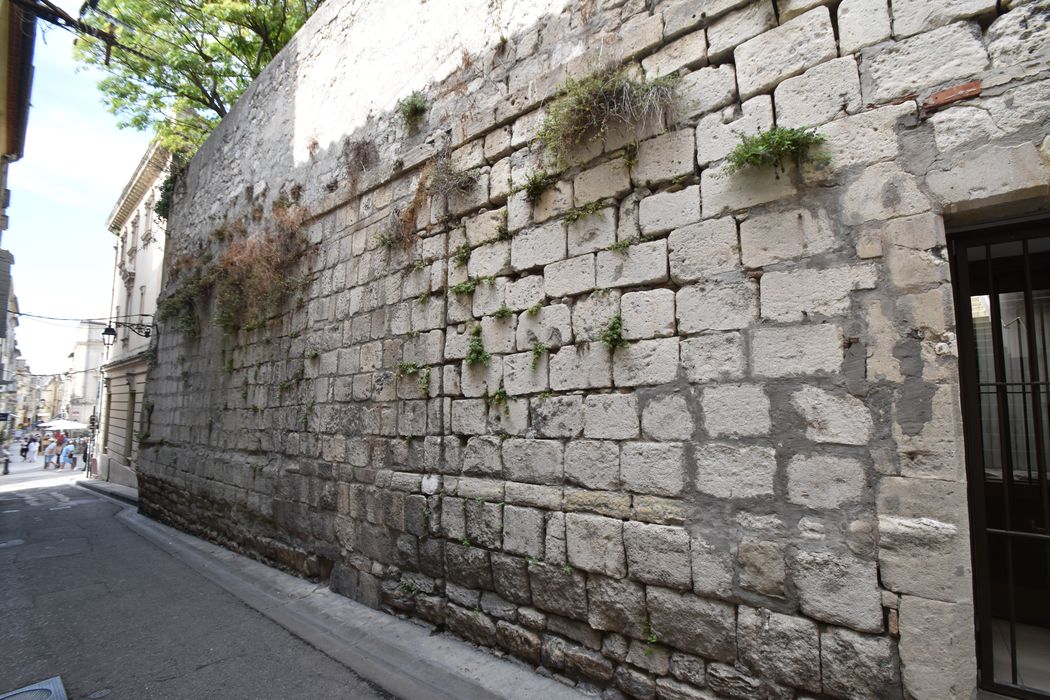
point(109, 333)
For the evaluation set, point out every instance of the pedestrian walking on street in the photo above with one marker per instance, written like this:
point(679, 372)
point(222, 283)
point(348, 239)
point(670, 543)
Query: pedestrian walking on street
point(66, 457)
point(32, 448)
point(49, 454)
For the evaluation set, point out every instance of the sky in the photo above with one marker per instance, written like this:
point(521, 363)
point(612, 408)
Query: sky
point(75, 166)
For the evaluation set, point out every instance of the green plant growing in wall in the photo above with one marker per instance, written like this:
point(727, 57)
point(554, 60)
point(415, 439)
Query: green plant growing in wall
point(461, 256)
point(503, 311)
point(537, 183)
point(772, 147)
point(412, 109)
point(407, 369)
point(612, 335)
point(622, 246)
point(465, 287)
point(501, 399)
point(424, 381)
point(476, 352)
point(582, 212)
point(535, 308)
point(589, 107)
point(539, 349)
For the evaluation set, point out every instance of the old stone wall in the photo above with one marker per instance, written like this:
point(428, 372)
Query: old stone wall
point(762, 492)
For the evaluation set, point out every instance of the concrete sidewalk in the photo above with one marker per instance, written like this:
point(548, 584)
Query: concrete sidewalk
point(404, 658)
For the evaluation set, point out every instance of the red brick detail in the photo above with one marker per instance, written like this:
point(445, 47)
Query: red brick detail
point(953, 94)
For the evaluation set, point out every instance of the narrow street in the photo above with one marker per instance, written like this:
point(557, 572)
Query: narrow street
point(87, 599)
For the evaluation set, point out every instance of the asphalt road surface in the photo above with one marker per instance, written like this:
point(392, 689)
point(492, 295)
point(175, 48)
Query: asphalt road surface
point(85, 598)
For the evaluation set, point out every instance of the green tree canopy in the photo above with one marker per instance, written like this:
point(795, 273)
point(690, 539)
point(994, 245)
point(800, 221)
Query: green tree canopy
point(180, 65)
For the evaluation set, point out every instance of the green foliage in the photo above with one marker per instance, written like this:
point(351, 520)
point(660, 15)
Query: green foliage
point(386, 239)
point(589, 107)
point(588, 209)
point(622, 246)
point(537, 183)
point(503, 311)
point(630, 154)
point(461, 256)
point(256, 467)
point(501, 399)
point(770, 148)
point(406, 369)
point(538, 351)
point(612, 334)
point(412, 109)
point(424, 381)
point(476, 352)
point(182, 305)
point(181, 64)
point(466, 287)
point(162, 207)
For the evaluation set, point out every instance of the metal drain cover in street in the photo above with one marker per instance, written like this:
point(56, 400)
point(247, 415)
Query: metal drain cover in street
point(51, 689)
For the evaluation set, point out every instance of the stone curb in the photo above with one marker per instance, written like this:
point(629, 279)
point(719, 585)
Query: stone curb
point(401, 657)
point(121, 493)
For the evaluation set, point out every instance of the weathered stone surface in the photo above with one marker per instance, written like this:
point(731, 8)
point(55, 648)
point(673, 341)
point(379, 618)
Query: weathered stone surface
point(591, 314)
point(882, 191)
point(862, 23)
point(1019, 36)
point(593, 464)
point(952, 52)
point(777, 236)
point(611, 416)
point(519, 641)
point(725, 192)
point(569, 277)
point(658, 554)
point(858, 665)
point(991, 175)
point(523, 531)
point(610, 179)
point(669, 210)
point(475, 626)
point(914, 16)
point(648, 657)
point(635, 683)
point(665, 157)
point(736, 410)
point(810, 349)
point(510, 577)
point(484, 523)
point(780, 53)
point(616, 606)
point(833, 418)
point(642, 263)
point(648, 314)
point(718, 134)
point(687, 668)
point(712, 629)
point(712, 569)
point(523, 374)
point(538, 246)
point(593, 233)
point(824, 481)
point(702, 250)
point(533, 461)
point(729, 681)
point(762, 567)
point(646, 362)
point(467, 566)
point(780, 647)
point(867, 137)
point(717, 306)
point(825, 92)
point(551, 325)
point(735, 471)
point(653, 468)
point(668, 418)
point(595, 544)
point(947, 669)
point(558, 416)
point(838, 588)
point(735, 28)
point(712, 356)
point(706, 90)
point(580, 367)
point(688, 52)
point(812, 293)
point(587, 663)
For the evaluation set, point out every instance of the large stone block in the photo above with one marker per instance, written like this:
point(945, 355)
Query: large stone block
point(533, 461)
point(824, 481)
point(868, 137)
point(862, 23)
point(780, 53)
point(523, 530)
point(658, 554)
point(792, 350)
point(780, 647)
point(586, 366)
point(713, 356)
point(833, 418)
point(761, 566)
point(951, 53)
point(591, 314)
point(664, 158)
point(569, 277)
point(718, 134)
point(647, 314)
point(809, 293)
point(595, 544)
point(642, 263)
point(558, 416)
point(736, 27)
point(653, 468)
point(593, 464)
point(646, 362)
point(611, 416)
point(1020, 35)
point(735, 471)
point(717, 306)
point(557, 590)
point(699, 251)
point(610, 179)
point(825, 92)
point(725, 192)
point(668, 418)
point(735, 410)
point(538, 246)
point(713, 569)
point(522, 374)
point(858, 666)
point(551, 325)
point(914, 16)
point(467, 566)
point(838, 588)
point(594, 232)
point(688, 52)
point(669, 210)
point(937, 649)
point(989, 176)
point(778, 236)
point(881, 191)
point(711, 631)
point(706, 90)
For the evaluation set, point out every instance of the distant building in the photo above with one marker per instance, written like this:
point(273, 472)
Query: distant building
point(85, 373)
point(136, 284)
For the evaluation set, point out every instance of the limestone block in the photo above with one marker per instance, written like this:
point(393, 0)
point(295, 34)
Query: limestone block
point(718, 134)
point(956, 127)
point(560, 591)
point(862, 23)
point(714, 356)
point(481, 457)
point(595, 543)
point(915, 16)
point(667, 418)
point(823, 481)
point(453, 520)
point(523, 293)
point(881, 191)
point(642, 263)
point(500, 182)
point(484, 523)
point(700, 251)
point(519, 641)
point(928, 431)
point(658, 554)
point(761, 566)
point(668, 210)
point(829, 418)
point(551, 325)
point(725, 192)
point(497, 143)
point(945, 670)
point(497, 334)
point(838, 588)
point(664, 157)
point(461, 203)
point(706, 90)
point(484, 227)
point(712, 569)
point(587, 366)
point(719, 306)
point(467, 566)
point(593, 232)
point(951, 53)
point(1019, 36)
point(592, 314)
point(533, 461)
point(736, 27)
point(867, 137)
point(735, 410)
point(538, 246)
point(646, 362)
point(489, 260)
point(825, 92)
point(593, 464)
point(787, 50)
point(810, 293)
point(712, 629)
point(569, 277)
point(558, 416)
point(910, 269)
point(608, 180)
point(654, 659)
point(481, 380)
point(549, 497)
point(523, 375)
point(616, 606)
point(638, 35)
point(688, 52)
point(611, 416)
point(615, 505)
point(469, 417)
point(991, 175)
point(787, 351)
point(735, 471)
point(510, 418)
point(780, 647)
point(686, 14)
point(777, 236)
point(858, 666)
point(653, 468)
point(648, 314)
